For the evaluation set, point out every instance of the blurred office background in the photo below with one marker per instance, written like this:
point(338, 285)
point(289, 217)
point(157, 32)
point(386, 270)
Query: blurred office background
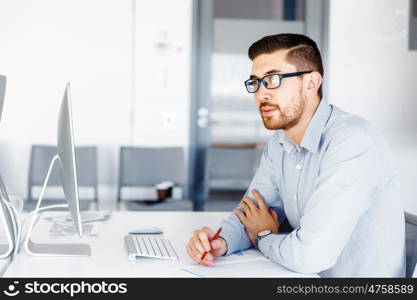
point(169, 75)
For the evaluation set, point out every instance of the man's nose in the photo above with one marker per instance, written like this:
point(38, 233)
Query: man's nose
point(263, 94)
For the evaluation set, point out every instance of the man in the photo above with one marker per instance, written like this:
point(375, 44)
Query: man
point(328, 172)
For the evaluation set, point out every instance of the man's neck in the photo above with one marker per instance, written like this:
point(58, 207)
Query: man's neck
point(296, 133)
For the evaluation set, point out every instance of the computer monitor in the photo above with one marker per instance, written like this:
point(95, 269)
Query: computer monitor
point(2, 92)
point(66, 161)
point(66, 154)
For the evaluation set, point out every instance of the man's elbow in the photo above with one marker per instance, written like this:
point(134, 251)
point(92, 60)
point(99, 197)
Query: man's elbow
point(312, 262)
point(316, 266)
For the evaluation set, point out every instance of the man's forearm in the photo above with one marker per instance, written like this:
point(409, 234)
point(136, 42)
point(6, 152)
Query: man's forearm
point(234, 234)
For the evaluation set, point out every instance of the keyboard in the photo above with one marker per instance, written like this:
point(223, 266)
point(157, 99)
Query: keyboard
point(149, 246)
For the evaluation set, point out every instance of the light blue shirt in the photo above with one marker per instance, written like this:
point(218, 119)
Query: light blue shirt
point(339, 191)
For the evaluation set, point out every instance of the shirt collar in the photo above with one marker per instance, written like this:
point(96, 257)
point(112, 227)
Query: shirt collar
point(314, 130)
point(285, 141)
point(313, 133)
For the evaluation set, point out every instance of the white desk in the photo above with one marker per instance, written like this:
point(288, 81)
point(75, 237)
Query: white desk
point(109, 256)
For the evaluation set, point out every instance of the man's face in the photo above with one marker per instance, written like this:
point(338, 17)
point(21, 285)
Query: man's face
point(280, 108)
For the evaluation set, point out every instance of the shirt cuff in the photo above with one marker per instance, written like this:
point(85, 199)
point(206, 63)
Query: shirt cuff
point(234, 235)
point(265, 245)
point(231, 241)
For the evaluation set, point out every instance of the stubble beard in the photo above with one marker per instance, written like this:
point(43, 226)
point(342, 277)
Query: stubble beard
point(283, 119)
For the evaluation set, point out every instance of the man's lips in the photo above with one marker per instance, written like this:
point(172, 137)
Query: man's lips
point(268, 111)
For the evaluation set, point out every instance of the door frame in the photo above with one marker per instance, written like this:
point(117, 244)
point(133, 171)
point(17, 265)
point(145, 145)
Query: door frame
point(316, 26)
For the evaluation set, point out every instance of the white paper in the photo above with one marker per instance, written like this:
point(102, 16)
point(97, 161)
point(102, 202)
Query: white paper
point(250, 263)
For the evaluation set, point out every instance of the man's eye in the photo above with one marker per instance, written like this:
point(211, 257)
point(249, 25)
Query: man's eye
point(275, 80)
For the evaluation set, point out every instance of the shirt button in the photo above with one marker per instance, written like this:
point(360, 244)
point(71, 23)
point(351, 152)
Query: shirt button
point(298, 167)
point(295, 197)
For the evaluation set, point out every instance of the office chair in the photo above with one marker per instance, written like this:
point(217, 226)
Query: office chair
point(86, 164)
point(229, 169)
point(410, 243)
point(146, 167)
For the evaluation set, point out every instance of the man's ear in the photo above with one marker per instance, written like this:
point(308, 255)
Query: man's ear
point(313, 83)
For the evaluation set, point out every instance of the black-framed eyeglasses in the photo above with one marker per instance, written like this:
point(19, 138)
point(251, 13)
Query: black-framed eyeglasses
point(270, 81)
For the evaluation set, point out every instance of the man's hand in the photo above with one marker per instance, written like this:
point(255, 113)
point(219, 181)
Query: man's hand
point(200, 242)
point(257, 218)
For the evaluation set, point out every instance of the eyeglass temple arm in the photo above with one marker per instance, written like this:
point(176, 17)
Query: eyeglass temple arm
point(294, 74)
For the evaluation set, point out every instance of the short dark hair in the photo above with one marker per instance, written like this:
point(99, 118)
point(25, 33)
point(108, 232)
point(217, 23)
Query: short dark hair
point(303, 52)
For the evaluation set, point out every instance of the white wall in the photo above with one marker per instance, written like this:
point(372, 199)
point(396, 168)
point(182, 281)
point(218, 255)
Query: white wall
point(373, 74)
point(163, 58)
point(45, 43)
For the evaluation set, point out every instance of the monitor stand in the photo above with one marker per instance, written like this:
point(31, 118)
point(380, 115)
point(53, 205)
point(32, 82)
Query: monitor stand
point(42, 249)
point(10, 222)
point(6, 250)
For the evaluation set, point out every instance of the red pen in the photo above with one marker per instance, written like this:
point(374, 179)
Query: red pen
point(212, 239)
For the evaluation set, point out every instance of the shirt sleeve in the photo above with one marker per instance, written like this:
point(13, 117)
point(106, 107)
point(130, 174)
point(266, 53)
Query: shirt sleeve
point(350, 175)
point(265, 180)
